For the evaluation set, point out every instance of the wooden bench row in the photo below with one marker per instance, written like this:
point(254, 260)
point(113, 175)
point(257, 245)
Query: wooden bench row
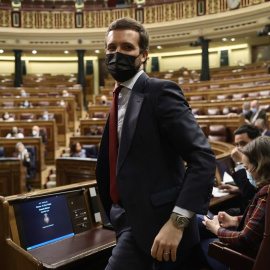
point(51, 132)
point(231, 124)
point(53, 101)
point(42, 92)
point(60, 116)
point(205, 85)
point(9, 147)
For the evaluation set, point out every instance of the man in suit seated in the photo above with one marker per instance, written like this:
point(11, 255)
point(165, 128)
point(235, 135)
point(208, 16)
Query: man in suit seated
point(15, 133)
point(28, 162)
point(46, 116)
point(256, 112)
point(245, 184)
point(261, 124)
point(36, 133)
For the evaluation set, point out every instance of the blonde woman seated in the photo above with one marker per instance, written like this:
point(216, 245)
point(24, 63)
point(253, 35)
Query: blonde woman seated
point(249, 227)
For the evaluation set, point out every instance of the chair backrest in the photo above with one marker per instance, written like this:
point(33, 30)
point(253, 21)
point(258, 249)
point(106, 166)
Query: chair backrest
point(2, 151)
point(196, 98)
point(42, 94)
point(91, 150)
point(220, 97)
point(43, 103)
point(8, 104)
point(241, 95)
point(99, 115)
point(196, 111)
point(213, 111)
point(217, 133)
point(27, 116)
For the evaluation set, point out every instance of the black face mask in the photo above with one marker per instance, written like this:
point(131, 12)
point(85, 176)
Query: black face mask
point(121, 66)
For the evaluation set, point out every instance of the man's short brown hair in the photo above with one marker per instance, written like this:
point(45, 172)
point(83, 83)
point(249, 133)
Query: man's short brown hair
point(128, 23)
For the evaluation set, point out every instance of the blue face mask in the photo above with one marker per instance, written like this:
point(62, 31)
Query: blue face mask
point(46, 117)
point(26, 104)
point(254, 110)
point(250, 179)
point(225, 111)
point(245, 112)
point(23, 94)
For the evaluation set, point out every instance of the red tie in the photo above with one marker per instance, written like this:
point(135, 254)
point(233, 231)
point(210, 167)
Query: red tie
point(113, 144)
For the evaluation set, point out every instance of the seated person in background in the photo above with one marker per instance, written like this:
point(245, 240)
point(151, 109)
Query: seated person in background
point(7, 117)
point(256, 112)
point(93, 130)
point(249, 227)
point(62, 103)
point(244, 181)
point(23, 93)
point(14, 133)
point(246, 111)
point(261, 124)
point(77, 151)
point(36, 133)
point(65, 93)
point(226, 110)
point(26, 104)
point(46, 116)
point(28, 162)
point(104, 100)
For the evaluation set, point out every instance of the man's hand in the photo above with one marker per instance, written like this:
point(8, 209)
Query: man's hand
point(229, 188)
point(236, 155)
point(167, 242)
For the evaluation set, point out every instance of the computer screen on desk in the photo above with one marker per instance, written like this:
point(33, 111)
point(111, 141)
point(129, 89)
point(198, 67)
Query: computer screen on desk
point(43, 220)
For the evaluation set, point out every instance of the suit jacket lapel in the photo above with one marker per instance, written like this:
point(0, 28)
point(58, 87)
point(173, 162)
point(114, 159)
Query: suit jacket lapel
point(131, 118)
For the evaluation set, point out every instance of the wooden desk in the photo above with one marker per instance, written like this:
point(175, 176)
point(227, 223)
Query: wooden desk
point(85, 140)
point(60, 116)
point(88, 248)
point(231, 123)
point(70, 108)
point(12, 177)
point(220, 104)
point(98, 108)
point(85, 124)
point(74, 170)
point(51, 128)
point(9, 145)
point(76, 92)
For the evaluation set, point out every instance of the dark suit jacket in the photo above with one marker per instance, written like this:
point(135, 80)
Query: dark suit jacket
point(261, 114)
point(159, 132)
point(43, 135)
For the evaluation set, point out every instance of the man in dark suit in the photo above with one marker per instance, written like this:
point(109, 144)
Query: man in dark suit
point(261, 124)
point(36, 133)
point(158, 196)
point(256, 112)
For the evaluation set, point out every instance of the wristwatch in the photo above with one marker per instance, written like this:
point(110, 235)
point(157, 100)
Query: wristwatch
point(179, 220)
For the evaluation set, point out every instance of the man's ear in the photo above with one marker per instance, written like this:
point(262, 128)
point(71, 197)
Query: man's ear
point(144, 56)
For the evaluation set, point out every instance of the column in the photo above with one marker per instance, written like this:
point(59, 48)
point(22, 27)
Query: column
point(81, 77)
point(205, 73)
point(18, 68)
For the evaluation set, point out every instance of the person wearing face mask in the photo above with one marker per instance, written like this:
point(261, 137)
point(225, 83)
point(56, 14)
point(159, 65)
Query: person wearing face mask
point(15, 133)
point(46, 116)
point(245, 184)
point(247, 231)
point(23, 93)
point(147, 192)
point(36, 133)
point(7, 117)
point(256, 112)
point(261, 124)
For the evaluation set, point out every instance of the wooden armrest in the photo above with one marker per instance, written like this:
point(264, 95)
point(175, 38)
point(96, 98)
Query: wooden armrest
point(231, 256)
